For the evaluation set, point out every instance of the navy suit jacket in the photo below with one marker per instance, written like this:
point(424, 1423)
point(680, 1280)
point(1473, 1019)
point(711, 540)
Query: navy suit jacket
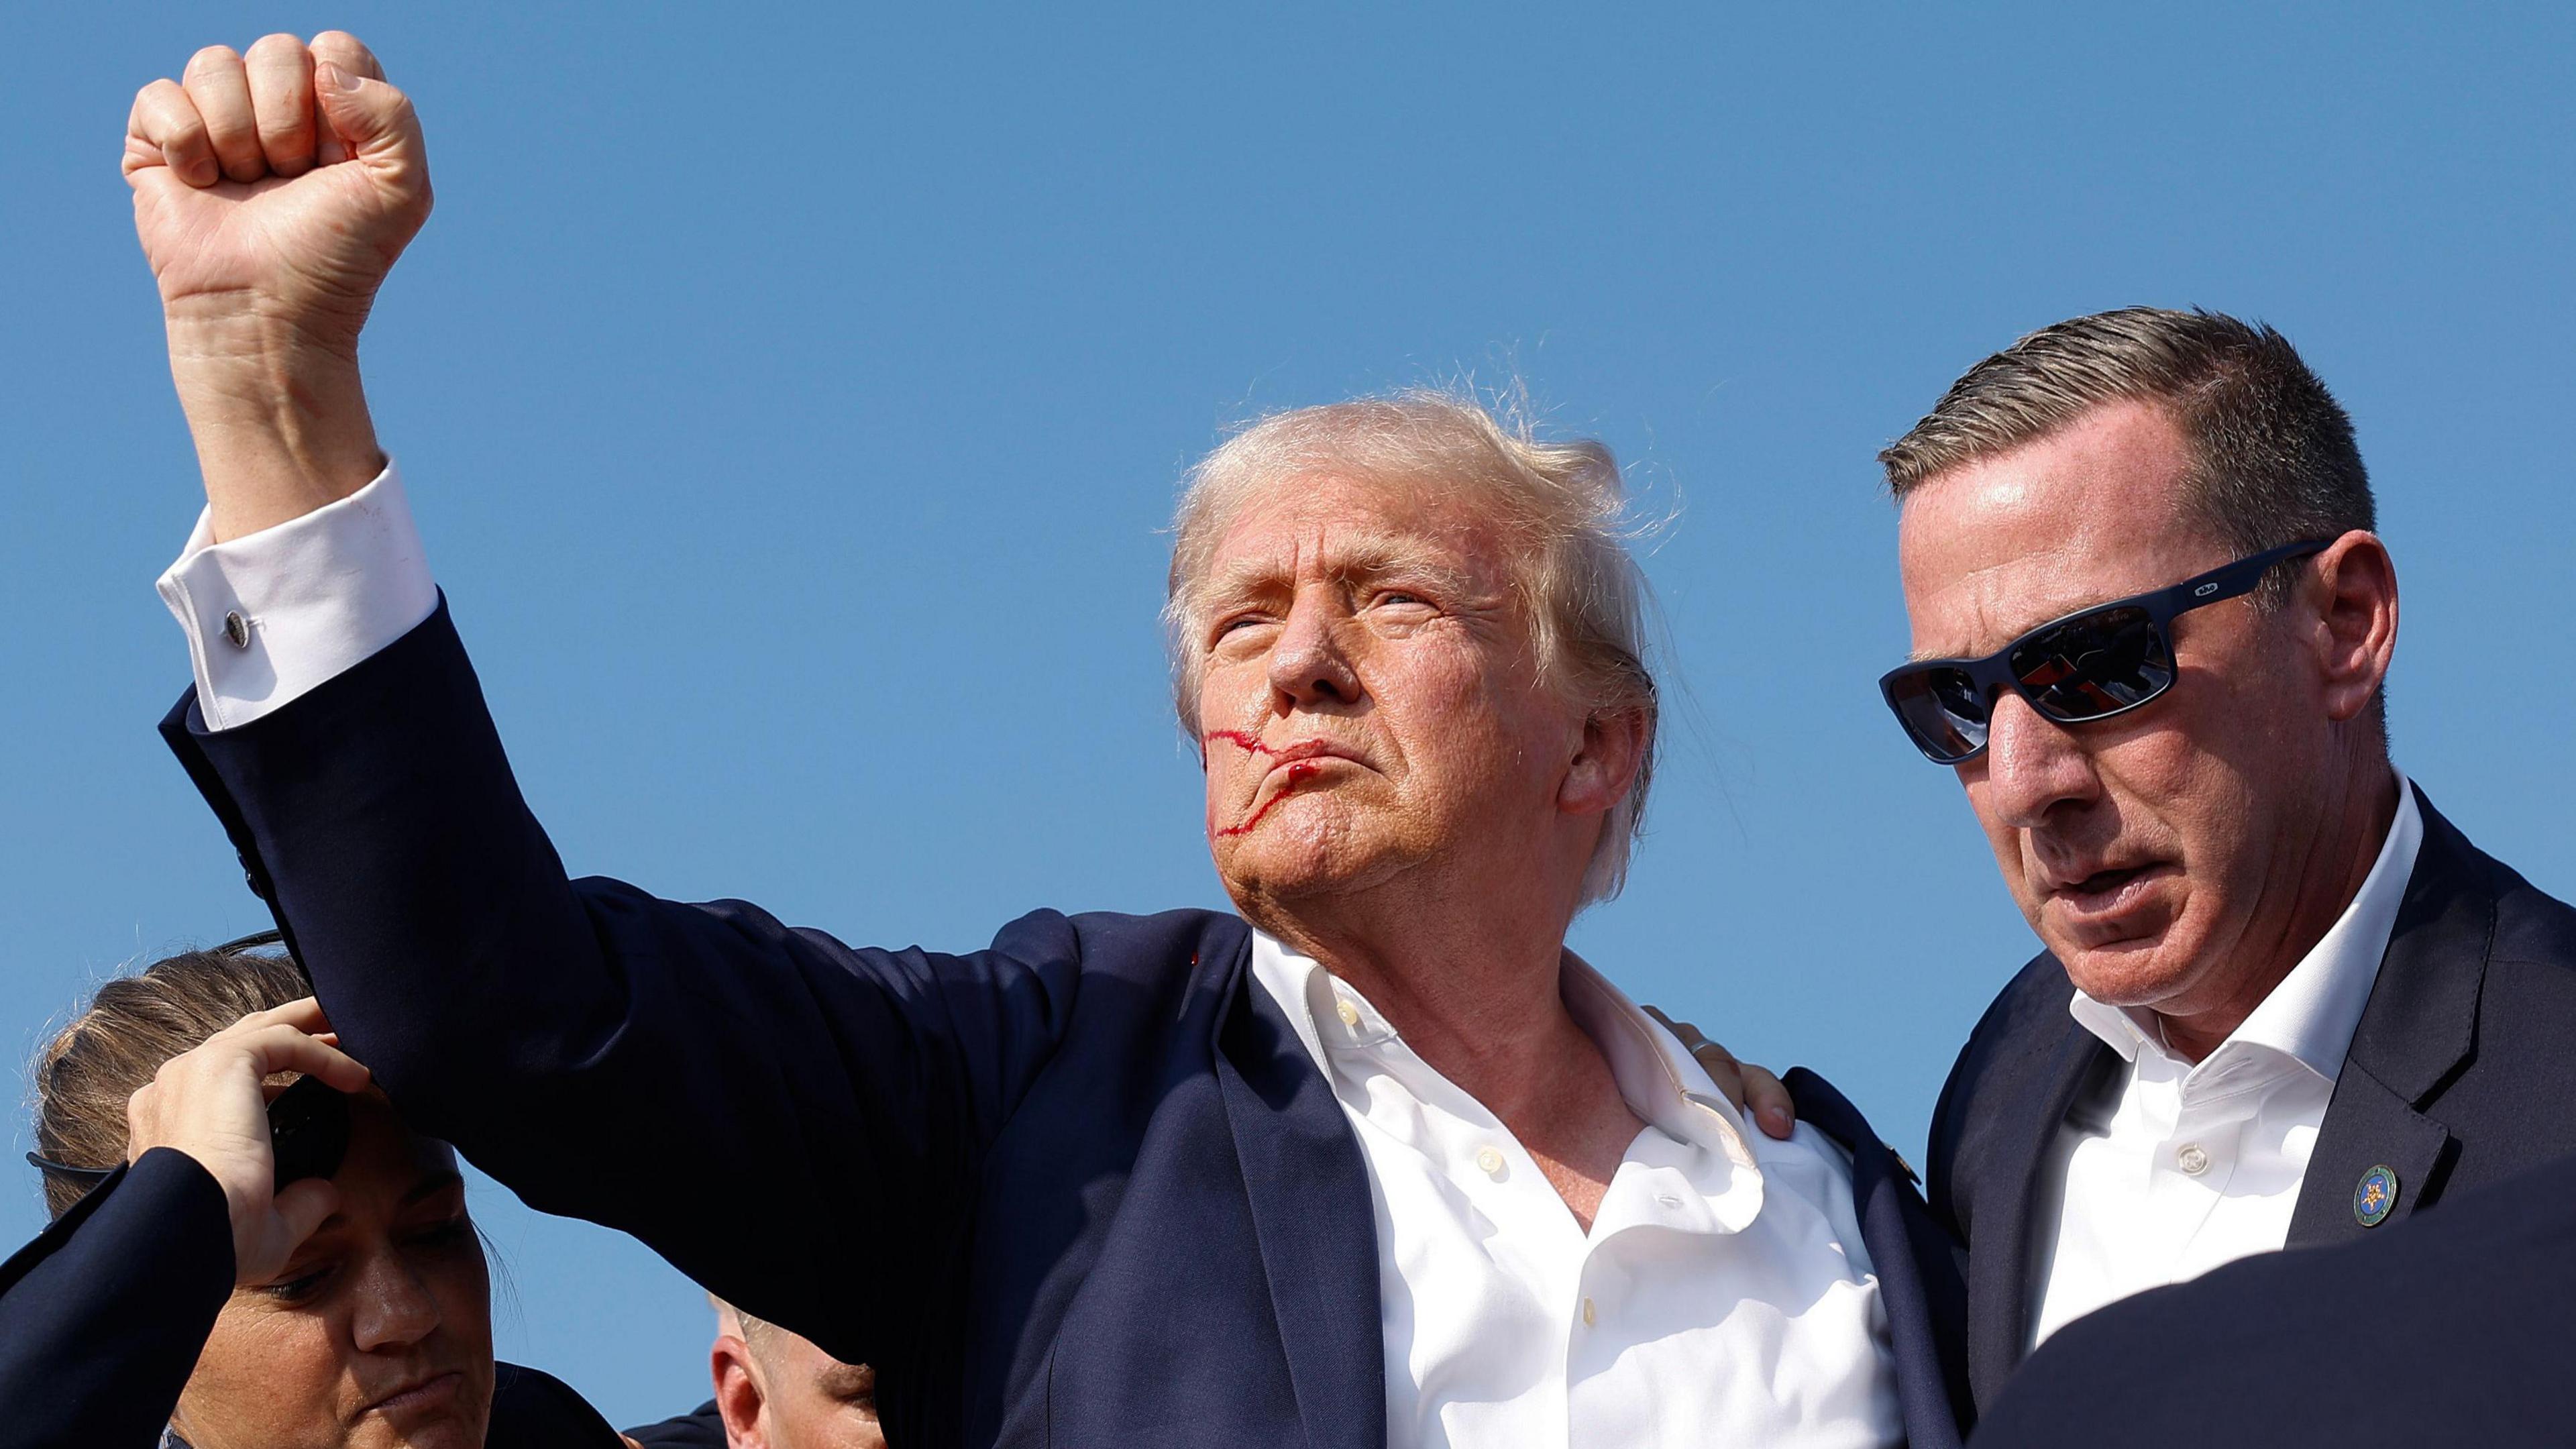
point(2462, 1071)
point(1082, 1187)
point(2450, 1329)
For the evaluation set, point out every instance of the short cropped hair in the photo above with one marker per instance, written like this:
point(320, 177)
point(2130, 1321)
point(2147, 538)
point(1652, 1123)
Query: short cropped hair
point(1561, 504)
point(757, 1334)
point(2274, 459)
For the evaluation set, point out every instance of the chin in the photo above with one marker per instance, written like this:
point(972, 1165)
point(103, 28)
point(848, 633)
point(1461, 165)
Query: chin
point(1286, 864)
point(2147, 971)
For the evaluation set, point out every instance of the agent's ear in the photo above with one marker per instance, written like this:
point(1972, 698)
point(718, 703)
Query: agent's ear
point(738, 1393)
point(1606, 761)
point(2355, 595)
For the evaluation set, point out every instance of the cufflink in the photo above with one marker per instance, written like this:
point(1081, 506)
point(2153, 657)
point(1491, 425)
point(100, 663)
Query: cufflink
point(2375, 1197)
point(237, 629)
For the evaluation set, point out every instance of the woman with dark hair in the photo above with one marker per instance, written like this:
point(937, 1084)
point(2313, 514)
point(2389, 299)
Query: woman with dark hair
point(249, 1250)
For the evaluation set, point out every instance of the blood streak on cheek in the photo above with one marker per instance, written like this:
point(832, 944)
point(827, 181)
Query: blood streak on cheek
point(1299, 771)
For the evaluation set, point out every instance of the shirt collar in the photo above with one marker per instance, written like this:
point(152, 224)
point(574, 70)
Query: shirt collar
point(2311, 1016)
point(1660, 1081)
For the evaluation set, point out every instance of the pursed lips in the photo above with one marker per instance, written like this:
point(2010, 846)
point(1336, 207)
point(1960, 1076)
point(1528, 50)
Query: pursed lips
point(2088, 887)
point(420, 1392)
point(1288, 754)
point(1291, 764)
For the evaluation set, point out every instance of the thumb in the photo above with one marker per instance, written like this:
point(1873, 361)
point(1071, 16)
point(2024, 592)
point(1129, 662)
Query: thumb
point(372, 120)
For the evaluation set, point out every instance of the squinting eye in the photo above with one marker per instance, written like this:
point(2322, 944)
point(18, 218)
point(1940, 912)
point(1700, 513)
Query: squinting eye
point(297, 1289)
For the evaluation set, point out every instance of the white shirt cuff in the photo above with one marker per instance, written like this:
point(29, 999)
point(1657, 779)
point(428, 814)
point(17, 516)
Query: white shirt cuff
point(271, 615)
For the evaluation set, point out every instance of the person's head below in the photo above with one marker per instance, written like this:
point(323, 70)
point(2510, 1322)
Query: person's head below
point(1408, 638)
point(2184, 793)
point(378, 1331)
point(776, 1390)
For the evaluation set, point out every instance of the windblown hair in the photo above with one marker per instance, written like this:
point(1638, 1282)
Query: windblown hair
point(1561, 505)
point(2274, 456)
point(130, 1027)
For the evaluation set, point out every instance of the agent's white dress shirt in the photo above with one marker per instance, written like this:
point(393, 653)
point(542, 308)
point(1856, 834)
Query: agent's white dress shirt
point(1723, 1295)
point(2175, 1168)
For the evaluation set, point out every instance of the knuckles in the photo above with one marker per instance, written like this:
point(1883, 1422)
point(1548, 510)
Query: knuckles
point(212, 58)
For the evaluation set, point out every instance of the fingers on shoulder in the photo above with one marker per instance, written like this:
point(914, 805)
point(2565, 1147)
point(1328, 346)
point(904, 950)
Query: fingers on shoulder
point(1767, 1097)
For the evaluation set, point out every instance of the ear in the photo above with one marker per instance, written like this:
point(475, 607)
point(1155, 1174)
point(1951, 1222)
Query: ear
point(2355, 594)
point(738, 1396)
point(1606, 760)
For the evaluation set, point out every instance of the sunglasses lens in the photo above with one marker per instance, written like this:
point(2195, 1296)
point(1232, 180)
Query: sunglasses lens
point(1941, 709)
point(2094, 664)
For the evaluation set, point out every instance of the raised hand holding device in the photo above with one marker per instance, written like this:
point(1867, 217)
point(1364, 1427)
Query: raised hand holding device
point(211, 1104)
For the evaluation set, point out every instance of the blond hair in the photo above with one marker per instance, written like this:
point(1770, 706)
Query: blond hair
point(1560, 504)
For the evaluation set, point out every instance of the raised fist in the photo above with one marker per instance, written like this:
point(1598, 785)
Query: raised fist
point(275, 189)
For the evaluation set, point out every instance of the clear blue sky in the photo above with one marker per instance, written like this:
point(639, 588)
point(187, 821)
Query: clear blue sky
point(792, 397)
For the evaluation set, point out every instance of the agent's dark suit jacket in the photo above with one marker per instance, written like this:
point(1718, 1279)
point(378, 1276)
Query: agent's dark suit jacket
point(1083, 1187)
point(2463, 1071)
point(2450, 1329)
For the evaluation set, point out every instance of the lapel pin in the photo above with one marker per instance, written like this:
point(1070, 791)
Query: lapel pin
point(2375, 1197)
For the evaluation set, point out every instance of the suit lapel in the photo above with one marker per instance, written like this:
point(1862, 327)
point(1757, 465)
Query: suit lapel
point(1916, 1263)
point(2000, 1249)
point(2421, 1023)
point(1312, 1211)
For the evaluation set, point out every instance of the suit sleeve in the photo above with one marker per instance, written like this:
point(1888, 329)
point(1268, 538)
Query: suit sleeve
point(103, 1315)
point(729, 1090)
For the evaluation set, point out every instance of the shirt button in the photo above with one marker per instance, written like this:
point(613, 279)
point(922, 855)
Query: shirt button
point(1668, 1200)
point(1490, 1161)
point(2191, 1159)
point(237, 629)
point(1349, 1014)
point(1591, 1316)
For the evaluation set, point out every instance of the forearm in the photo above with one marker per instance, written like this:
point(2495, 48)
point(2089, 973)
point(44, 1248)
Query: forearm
point(279, 417)
point(609, 1055)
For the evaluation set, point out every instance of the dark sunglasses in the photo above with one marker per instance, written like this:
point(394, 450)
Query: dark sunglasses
point(2090, 665)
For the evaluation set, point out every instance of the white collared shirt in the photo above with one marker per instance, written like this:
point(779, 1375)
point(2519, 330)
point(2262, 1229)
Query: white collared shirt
point(2175, 1168)
point(1723, 1295)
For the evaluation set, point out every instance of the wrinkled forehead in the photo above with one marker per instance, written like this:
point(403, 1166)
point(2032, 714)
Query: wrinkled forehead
point(1345, 525)
point(2095, 512)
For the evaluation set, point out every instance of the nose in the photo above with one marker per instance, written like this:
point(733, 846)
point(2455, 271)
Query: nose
point(2033, 765)
point(395, 1309)
point(1308, 667)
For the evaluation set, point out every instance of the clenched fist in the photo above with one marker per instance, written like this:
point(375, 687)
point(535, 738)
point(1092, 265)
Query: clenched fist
point(273, 191)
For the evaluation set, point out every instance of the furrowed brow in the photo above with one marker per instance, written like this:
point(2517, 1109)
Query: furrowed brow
point(1350, 560)
point(1372, 560)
